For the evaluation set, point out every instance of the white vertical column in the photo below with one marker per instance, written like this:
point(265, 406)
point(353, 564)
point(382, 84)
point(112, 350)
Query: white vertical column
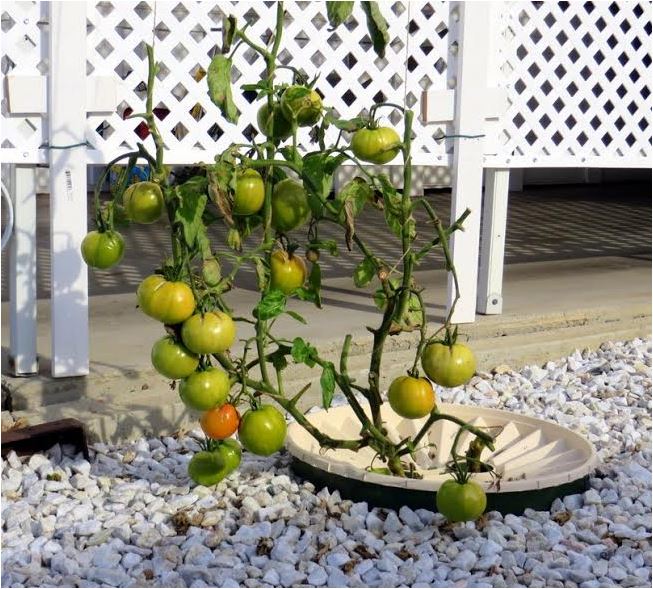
point(493, 240)
point(67, 121)
point(469, 22)
point(22, 272)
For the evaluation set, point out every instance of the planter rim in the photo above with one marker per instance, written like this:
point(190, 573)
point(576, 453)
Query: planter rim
point(302, 446)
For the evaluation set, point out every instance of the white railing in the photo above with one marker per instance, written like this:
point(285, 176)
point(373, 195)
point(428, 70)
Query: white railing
point(547, 84)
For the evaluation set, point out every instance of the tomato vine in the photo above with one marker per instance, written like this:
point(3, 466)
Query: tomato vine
point(195, 200)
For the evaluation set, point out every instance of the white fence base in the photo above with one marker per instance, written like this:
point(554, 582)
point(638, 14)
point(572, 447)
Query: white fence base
point(22, 272)
point(493, 239)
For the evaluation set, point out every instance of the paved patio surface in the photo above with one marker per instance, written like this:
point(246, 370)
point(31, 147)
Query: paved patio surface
point(544, 224)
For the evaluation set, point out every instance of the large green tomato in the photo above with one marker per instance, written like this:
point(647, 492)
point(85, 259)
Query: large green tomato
point(377, 146)
point(448, 366)
point(262, 431)
point(205, 389)
point(461, 503)
point(172, 359)
point(249, 194)
point(143, 202)
point(168, 302)
point(287, 272)
point(206, 468)
point(290, 208)
point(209, 333)
point(410, 397)
point(302, 104)
point(103, 249)
point(275, 126)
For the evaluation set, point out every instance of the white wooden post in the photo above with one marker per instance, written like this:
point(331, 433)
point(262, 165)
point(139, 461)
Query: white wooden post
point(67, 109)
point(493, 237)
point(22, 272)
point(469, 23)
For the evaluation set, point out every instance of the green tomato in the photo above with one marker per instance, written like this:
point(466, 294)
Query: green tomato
point(410, 397)
point(208, 333)
point(172, 359)
point(262, 431)
point(290, 208)
point(103, 249)
point(377, 146)
point(461, 503)
point(448, 366)
point(275, 126)
point(231, 453)
point(249, 194)
point(143, 202)
point(206, 468)
point(302, 104)
point(205, 389)
point(168, 302)
point(287, 272)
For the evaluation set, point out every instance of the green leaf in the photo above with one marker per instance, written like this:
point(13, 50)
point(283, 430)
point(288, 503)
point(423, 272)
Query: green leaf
point(350, 202)
point(297, 317)
point(317, 176)
point(219, 81)
point(377, 27)
point(278, 357)
point(228, 31)
point(303, 353)
point(338, 12)
point(270, 306)
point(192, 199)
point(349, 125)
point(328, 384)
point(364, 272)
point(234, 239)
point(393, 208)
point(328, 245)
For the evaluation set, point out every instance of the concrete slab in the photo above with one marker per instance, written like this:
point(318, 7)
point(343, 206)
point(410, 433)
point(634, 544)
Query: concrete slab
point(551, 308)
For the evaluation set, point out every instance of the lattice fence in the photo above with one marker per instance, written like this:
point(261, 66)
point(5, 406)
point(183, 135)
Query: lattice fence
point(577, 75)
point(351, 75)
point(579, 84)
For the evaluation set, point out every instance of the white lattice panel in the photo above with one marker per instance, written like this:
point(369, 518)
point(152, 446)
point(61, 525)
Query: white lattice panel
point(579, 82)
point(352, 77)
point(23, 45)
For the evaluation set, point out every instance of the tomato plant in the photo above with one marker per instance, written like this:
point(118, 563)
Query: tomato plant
point(143, 202)
point(461, 502)
point(205, 389)
point(103, 249)
point(287, 271)
point(249, 194)
point(273, 195)
point(262, 431)
point(411, 397)
point(220, 422)
point(172, 359)
point(378, 145)
point(212, 332)
point(166, 301)
point(275, 126)
point(290, 208)
point(207, 468)
point(448, 365)
point(301, 104)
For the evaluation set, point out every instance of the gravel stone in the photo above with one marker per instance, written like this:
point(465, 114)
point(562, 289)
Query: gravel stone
point(129, 516)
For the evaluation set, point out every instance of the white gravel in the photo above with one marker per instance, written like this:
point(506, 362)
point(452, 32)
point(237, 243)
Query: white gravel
point(130, 518)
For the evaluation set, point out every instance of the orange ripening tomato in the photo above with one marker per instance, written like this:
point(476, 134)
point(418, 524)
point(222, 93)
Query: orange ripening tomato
point(220, 423)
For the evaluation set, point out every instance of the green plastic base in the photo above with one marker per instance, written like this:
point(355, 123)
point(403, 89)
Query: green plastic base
point(394, 497)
